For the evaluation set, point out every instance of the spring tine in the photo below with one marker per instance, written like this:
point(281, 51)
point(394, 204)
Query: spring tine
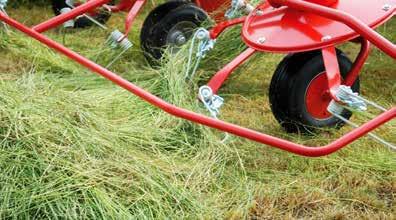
point(375, 137)
point(117, 57)
point(91, 19)
point(368, 101)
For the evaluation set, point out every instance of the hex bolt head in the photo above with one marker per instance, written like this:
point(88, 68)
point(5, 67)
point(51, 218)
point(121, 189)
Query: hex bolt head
point(386, 7)
point(261, 40)
point(259, 12)
point(326, 38)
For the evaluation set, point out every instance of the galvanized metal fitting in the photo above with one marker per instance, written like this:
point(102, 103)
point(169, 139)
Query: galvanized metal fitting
point(3, 4)
point(211, 101)
point(206, 44)
point(346, 95)
point(118, 39)
point(238, 7)
point(70, 23)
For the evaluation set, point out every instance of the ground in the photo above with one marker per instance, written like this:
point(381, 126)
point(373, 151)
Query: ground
point(75, 146)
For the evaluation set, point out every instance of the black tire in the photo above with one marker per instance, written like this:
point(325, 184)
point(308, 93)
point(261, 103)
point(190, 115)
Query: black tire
point(289, 86)
point(101, 15)
point(160, 23)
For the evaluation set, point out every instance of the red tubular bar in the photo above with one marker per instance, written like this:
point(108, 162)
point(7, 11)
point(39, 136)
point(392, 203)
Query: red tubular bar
point(340, 16)
point(359, 63)
point(332, 70)
point(132, 15)
point(219, 28)
point(201, 119)
point(60, 19)
point(217, 80)
point(124, 5)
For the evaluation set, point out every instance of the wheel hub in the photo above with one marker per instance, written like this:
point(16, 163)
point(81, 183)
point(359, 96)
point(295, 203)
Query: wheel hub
point(177, 38)
point(317, 97)
point(179, 34)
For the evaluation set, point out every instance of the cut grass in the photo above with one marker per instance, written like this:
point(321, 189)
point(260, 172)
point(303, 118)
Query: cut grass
point(75, 146)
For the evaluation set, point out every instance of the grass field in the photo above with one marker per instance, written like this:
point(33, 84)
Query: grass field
point(74, 146)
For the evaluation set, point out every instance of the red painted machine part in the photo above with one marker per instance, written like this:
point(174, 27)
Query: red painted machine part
point(288, 30)
point(60, 19)
point(323, 2)
point(213, 5)
point(317, 97)
point(123, 5)
point(202, 119)
point(92, 12)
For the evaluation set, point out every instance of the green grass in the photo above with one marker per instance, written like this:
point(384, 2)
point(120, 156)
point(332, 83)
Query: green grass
point(75, 146)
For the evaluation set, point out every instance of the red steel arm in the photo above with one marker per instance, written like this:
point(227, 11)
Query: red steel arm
point(132, 15)
point(359, 62)
point(60, 19)
point(202, 119)
point(219, 28)
point(220, 77)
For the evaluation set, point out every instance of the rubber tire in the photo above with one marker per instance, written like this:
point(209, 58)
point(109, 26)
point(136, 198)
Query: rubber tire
point(288, 88)
point(81, 21)
point(161, 20)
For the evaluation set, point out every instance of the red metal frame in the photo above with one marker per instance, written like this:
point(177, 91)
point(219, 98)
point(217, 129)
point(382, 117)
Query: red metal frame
point(362, 29)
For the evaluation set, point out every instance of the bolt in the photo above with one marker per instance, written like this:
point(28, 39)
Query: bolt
point(206, 92)
point(180, 40)
point(261, 40)
point(326, 38)
point(386, 7)
point(259, 12)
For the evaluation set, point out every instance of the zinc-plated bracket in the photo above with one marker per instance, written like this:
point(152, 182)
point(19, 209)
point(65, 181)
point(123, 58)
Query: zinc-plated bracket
point(211, 101)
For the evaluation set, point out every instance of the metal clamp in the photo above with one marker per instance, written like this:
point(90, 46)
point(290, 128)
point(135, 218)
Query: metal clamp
point(3, 4)
point(205, 45)
point(350, 98)
point(211, 101)
point(238, 7)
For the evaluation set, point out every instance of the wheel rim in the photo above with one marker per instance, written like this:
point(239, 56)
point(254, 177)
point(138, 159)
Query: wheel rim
point(317, 97)
point(179, 34)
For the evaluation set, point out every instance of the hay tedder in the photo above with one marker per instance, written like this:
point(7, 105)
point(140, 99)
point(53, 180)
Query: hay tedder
point(315, 86)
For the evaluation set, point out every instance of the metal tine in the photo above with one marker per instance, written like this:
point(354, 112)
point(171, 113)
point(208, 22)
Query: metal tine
point(368, 101)
point(117, 57)
point(118, 40)
point(337, 109)
point(90, 18)
point(112, 40)
point(345, 91)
